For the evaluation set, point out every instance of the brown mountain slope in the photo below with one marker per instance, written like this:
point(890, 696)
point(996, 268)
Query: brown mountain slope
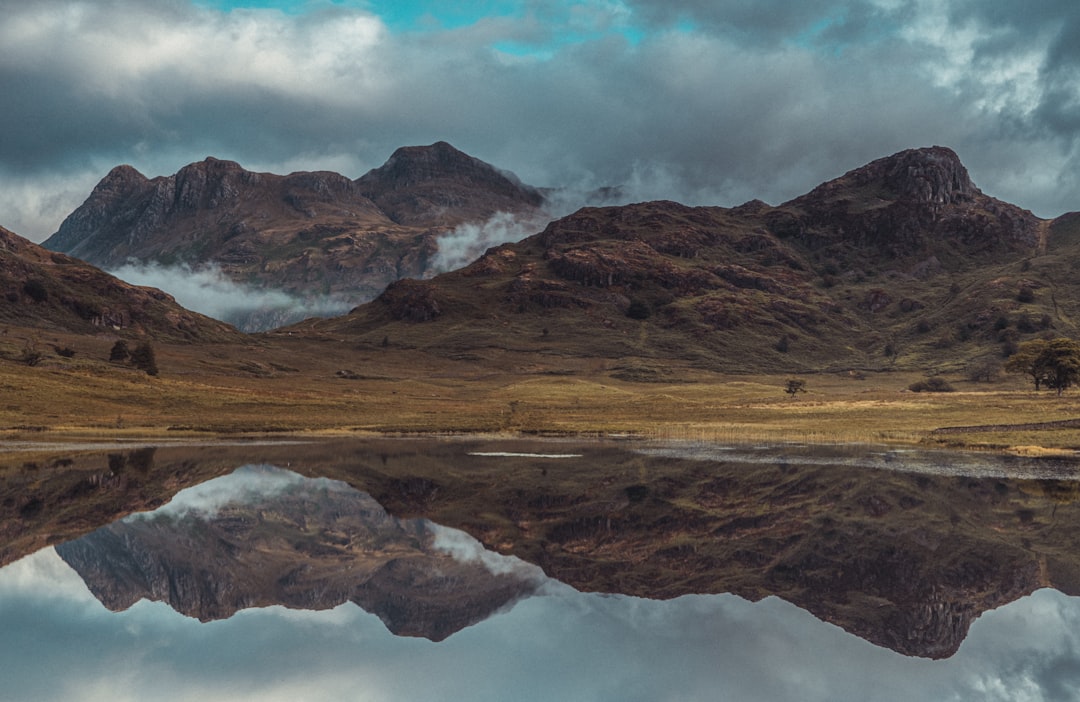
point(50, 291)
point(307, 233)
point(901, 260)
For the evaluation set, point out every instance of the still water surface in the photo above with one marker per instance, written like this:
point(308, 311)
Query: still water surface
point(260, 533)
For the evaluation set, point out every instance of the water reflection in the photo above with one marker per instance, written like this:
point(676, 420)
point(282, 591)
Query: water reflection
point(906, 550)
point(264, 536)
point(60, 644)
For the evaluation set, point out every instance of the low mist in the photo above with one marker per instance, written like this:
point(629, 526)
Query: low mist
point(207, 290)
point(467, 242)
point(464, 548)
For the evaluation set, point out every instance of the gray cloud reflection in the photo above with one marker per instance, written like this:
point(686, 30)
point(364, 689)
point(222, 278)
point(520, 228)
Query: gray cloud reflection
point(57, 642)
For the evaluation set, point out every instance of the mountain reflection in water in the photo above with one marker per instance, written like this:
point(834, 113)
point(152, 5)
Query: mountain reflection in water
point(905, 549)
point(264, 536)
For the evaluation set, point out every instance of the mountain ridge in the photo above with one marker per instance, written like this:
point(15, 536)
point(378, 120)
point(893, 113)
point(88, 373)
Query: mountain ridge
point(902, 253)
point(310, 234)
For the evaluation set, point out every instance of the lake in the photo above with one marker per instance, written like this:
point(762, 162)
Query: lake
point(484, 569)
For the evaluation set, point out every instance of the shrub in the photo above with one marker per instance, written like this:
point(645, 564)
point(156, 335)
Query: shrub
point(985, 371)
point(638, 309)
point(64, 351)
point(931, 385)
point(1026, 325)
point(1025, 294)
point(794, 387)
point(31, 355)
point(144, 359)
point(35, 289)
point(119, 352)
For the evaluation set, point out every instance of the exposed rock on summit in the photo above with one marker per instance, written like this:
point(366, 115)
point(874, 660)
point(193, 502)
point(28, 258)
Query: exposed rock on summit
point(919, 202)
point(425, 185)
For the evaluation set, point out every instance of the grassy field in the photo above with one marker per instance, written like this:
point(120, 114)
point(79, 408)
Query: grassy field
point(261, 388)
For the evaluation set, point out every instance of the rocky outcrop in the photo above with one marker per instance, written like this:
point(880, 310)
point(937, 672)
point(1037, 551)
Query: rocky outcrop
point(200, 208)
point(915, 203)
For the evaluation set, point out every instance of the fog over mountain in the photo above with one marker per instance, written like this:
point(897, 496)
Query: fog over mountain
point(207, 290)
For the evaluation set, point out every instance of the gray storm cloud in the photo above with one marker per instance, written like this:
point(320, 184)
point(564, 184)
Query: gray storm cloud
point(730, 100)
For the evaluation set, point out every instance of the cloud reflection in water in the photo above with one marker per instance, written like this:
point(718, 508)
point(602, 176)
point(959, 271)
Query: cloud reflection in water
point(57, 642)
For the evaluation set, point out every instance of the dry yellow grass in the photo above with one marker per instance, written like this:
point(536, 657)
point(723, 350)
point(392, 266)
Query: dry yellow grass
point(327, 388)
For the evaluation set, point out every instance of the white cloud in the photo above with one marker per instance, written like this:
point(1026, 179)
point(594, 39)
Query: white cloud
point(207, 290)
point(245, 484)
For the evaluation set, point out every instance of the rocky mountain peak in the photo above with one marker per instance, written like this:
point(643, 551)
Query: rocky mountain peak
point(410, 165)
point(420, 183)
point(933, 175)
point(210, 183)
point(121, 177)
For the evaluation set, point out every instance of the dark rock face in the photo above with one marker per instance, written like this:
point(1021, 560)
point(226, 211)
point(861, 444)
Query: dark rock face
point(314, 545)
point(129, 216)
point(933, 176)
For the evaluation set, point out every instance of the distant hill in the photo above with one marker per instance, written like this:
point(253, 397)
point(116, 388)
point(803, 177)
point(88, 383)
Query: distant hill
point(902, 259)
point(51, 291)
point(308, 234)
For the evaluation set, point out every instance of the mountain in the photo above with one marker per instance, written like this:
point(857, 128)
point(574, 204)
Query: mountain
point(904, 258)
point(438, 185)
point(297, 542)
point(308, 233)
point(50, 291)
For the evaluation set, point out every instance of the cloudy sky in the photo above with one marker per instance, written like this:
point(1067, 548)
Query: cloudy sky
point(706, 101)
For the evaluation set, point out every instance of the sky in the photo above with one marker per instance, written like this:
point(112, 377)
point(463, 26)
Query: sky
point(703, 101)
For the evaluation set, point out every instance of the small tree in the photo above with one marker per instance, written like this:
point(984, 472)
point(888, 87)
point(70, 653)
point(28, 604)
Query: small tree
point(1054, 364)
point(144, 359)
point(794, 387)
point(1061, 361)
point(31, 354)
point(119, 352)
